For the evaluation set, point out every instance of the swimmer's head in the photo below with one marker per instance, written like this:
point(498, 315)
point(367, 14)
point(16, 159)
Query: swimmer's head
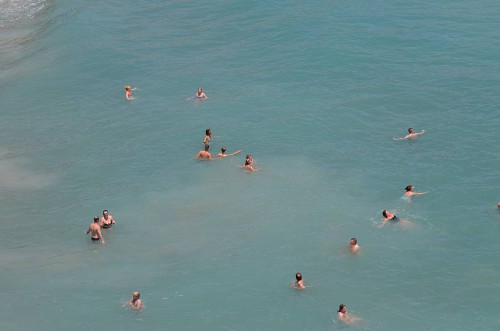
point(247, 162)
point(223, 149)
point(410, 130)
point(200, 90)
point(96, 219)
point(342, 308)
point(207, 146)
point(248, 157)
point(105, 212)
point(409, 188)
point(127, 88)
point(384, 213)
point(298, 276)
point(136, 295)
point(353, 242)
point(208, 132)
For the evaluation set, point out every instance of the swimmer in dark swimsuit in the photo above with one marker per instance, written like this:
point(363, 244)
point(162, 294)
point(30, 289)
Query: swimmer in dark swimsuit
point(107, 220)
point(208, 137)
point(388, 216)
point(96, 230)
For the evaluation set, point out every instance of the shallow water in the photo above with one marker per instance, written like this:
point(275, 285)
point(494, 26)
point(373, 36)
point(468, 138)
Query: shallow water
point(315, 91)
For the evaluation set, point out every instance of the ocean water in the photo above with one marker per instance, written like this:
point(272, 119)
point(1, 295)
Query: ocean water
point(315, 91)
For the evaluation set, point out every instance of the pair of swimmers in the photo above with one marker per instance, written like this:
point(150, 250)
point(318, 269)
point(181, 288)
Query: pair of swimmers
point(106, 222)
point(388, 216)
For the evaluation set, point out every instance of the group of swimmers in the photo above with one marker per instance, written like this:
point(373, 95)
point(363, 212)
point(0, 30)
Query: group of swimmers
point(342, 313)
point(354, 248)
point(205, 154)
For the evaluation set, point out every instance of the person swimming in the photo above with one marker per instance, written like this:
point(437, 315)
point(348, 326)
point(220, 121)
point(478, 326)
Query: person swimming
point(345, 317)
point(223, 152)
point(248, 165)
point(411, 134)
point(200, 94)
point(353, 245)
point(409, 191)
point(299, 282)
point(128, 92)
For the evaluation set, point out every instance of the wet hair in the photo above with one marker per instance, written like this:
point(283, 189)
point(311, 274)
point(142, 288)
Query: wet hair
point(408, 188)
point(207, 146)
point(208, 132)
point(223, 149)
point(410, 130)
point(355, 240)
point(384, 213)
point(96, 218)
point(104, 211)
point(247, 162)
point(248, 156)
point(298, 276)
point(342, 306)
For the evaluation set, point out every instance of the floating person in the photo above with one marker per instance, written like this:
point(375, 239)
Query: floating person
point(96, 231)
point(208, 137)
point(345, 317)
point(223, 152)
point(107, 220)
point(298, 283)
point(353, 246)
point(135, 303)
point(248, 165)
point(128, 92)
point(205, 154)
point(388, 216)
point(411, 134)
point(200, 94)
point(409, 191)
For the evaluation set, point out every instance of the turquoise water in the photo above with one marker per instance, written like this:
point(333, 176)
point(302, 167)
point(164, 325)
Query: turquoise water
point(315, 91)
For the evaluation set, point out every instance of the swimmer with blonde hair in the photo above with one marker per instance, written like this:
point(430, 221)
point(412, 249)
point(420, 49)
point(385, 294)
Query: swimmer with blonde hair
point(128, 92)
point(411, 134)
point(298, 283)
point(135, 303)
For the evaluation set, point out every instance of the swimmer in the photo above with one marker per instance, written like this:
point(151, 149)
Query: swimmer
point(411, 134)
point(223, 152)
point(248, 166)
point(498, 204)
point(96, 231)
point(135, 303)
point(208, 137)
point(200, 94)
point(204, 155)
point(353, 245)
point(345, 317)
point(298, 283)
point(388, 216)
point(128, 92)
point(409, 191)
point(107, 220)
point(249, 159)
